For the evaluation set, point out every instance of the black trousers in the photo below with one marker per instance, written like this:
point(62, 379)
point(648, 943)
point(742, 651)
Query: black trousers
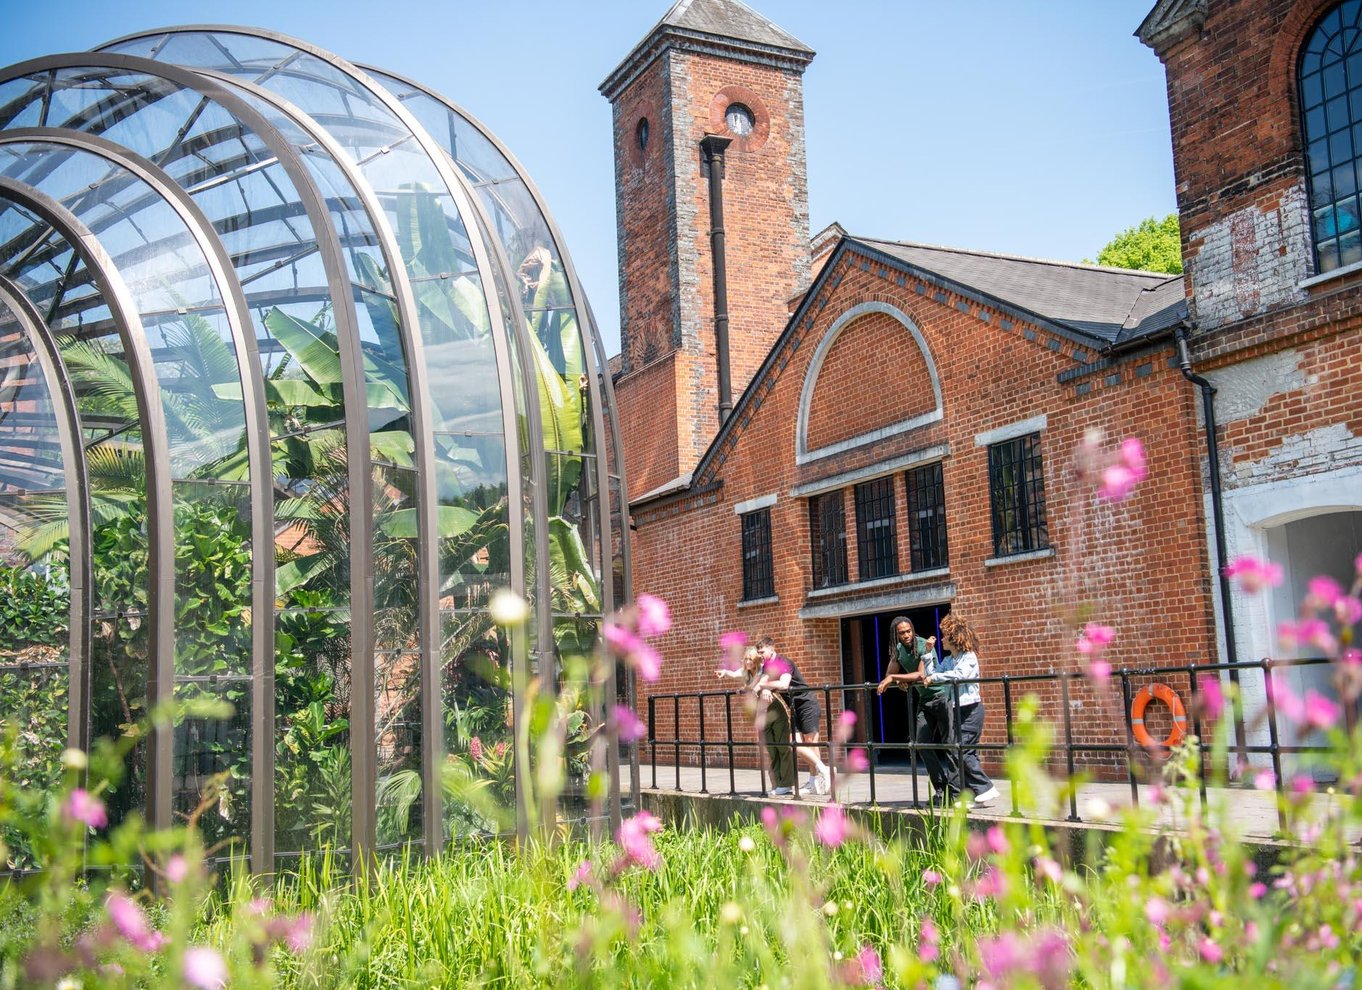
point(969, 726)
point(934, 727)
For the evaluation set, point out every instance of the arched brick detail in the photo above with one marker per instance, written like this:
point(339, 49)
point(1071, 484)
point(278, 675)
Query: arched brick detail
point(761, 117)
point(1281, 76)
point(872, 376)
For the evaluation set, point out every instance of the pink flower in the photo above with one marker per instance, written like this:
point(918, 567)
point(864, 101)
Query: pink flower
point(929, 948)
point(1348, 610)
point(1257, 889)
point(776, 667)
point(997, 840)
point(992, 884)
point(1095, 638)
point(976, 846)
point(847, 718)
point(1264, 780)
point(583, 875)
point(872, 970)
point(1119, 479)
point(1002, 955)
point(127, 916)
point(204, 968)
point(1049, 869)
point(931, 878)
point(1212, 697)
point(832, 827)
point(1254, 575)
point(296, 932)
point(475, 748)
point(635, 839)
point(857, 761)
point(1210, 951)
point(647, 661)
point(82, 806)
point(1314, 632)
point(1158, 911)
point(638, 654)
point(1099, 671)
point(177, 869)
point(1320, 712)
point(1302, 784)
point(1323, 591)
point(631, 728)
point(733, 640)
point(654, 618)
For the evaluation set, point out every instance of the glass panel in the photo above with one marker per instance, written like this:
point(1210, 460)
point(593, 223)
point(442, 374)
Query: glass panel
point(479, 785)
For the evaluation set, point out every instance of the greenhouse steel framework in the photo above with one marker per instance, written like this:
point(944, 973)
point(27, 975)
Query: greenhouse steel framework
point(295, 371)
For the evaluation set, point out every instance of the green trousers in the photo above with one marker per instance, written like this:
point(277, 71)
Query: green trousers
point(776, 734)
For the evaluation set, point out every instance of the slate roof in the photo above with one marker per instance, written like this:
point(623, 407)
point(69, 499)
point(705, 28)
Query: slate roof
point(729, 19)
point(1111, 305)
point(729, 27)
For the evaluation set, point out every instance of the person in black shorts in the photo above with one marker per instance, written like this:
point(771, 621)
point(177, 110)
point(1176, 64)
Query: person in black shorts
point(780, 674)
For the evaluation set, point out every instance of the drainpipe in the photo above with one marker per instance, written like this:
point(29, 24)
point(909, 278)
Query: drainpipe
point(1217, 515)
point(713, 148)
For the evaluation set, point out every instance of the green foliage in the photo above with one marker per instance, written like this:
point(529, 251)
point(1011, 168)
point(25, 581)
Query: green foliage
point(34, 609)
point(1152, 245)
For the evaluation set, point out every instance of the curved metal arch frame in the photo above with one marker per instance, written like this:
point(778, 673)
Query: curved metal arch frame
point(586, 323)
point(240, 326)
point(432, 740)
point(359, 478)
point(465, 204)
point(156, 448)
point(78, 554)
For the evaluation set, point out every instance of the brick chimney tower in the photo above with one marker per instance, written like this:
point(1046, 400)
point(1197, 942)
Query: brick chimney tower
point(708, 68)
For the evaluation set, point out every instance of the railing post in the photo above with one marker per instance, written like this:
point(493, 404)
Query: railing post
point(1130, 737)
point(1269, 688)
point(869, 748)
point(728, 728)
point(1069, 744)
point(912, 739)
point(1007, 720)
point(652, 735)
point(1201, 747)
point(676, 727)
point(704, 762)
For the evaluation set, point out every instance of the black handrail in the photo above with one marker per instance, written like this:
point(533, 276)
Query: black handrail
point(1130, 747)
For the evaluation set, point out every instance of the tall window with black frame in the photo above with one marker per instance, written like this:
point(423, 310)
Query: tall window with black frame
point(758, 580)
point(1016, 489)
point(828, 539)
point(876, 534)
point(926, 517)
point(1329, 83)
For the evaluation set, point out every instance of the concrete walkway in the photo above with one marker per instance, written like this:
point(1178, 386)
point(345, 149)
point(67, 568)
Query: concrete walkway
point(1253, 813)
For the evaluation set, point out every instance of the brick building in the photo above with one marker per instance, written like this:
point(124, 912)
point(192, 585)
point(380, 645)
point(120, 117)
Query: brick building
point(906, 416)
point(1265, 100)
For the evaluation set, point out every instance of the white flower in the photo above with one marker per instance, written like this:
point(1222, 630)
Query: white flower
point(508, 609)
point(747, 844)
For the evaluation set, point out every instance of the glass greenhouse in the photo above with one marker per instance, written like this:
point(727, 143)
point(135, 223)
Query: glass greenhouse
point(295, 371)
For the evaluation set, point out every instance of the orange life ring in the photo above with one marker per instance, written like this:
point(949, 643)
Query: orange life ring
point(1170, 698)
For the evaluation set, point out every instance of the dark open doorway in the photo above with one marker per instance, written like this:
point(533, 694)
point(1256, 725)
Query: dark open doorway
point(866, 649)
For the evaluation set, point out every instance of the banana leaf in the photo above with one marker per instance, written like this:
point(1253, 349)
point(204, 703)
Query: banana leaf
point(452, 520)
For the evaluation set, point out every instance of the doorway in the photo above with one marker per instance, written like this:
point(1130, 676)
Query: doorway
point(867, 647)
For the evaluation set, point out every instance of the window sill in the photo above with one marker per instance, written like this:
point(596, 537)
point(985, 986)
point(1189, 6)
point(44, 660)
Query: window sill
point(855, 586)
point(1017, 558)
point(751, 602)
point(1338, 273)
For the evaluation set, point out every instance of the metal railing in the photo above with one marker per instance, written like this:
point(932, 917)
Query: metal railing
point(1128, 752)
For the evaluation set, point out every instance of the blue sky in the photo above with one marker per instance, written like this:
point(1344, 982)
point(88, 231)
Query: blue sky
point(1034, 127)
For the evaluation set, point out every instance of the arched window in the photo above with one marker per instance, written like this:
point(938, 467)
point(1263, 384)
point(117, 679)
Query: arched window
point(1330, 77)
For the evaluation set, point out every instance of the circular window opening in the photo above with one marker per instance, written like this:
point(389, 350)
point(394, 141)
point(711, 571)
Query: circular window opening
point(642, 134)
point(739, 119)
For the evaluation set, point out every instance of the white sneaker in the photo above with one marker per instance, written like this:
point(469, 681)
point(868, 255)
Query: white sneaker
point(987, 797)
point(781, 791)
point(824, 782)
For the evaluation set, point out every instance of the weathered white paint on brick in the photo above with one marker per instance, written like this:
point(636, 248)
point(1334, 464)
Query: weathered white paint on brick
point(1317, 451)
point(1242, 390)
point(1251, 260)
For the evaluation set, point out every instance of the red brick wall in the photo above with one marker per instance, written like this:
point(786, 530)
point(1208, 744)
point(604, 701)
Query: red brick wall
point(873, 376)
point(1136, 562)
point(645, 403)
point(662, 205)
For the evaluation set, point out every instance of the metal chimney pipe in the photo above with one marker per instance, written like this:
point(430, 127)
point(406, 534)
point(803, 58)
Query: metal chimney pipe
point(713, 148)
